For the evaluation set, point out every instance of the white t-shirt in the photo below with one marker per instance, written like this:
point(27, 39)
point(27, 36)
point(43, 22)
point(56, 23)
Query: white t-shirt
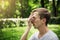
point(50, 35)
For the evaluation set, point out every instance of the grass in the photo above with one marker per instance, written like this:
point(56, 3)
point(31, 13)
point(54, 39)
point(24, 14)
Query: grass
point(16, 33)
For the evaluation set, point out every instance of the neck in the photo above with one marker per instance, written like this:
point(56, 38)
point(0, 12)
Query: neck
point(43, 30)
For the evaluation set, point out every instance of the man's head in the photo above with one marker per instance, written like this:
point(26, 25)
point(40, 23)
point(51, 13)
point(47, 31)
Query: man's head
point(40, 17)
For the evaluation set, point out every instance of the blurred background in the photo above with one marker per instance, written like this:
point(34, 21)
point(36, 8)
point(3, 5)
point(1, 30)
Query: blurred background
point(14, 14)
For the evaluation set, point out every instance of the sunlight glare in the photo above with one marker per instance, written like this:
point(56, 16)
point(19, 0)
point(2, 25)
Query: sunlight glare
point(2, 4)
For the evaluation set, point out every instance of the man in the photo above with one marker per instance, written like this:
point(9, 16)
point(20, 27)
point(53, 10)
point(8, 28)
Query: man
point(39, 18)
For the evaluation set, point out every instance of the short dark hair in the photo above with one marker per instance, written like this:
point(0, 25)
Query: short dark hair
point(43, 12)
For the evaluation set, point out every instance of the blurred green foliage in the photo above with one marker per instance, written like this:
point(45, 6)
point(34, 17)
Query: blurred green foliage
point(10, 30)
point(54, 20)
point(16, 33)
point(22, 8)
point(12, 24)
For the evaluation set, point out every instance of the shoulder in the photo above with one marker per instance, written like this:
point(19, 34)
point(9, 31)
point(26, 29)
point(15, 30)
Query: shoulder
point(52, 35)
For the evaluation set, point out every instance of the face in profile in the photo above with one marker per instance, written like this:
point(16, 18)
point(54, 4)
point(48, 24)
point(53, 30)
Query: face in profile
point(36, 21)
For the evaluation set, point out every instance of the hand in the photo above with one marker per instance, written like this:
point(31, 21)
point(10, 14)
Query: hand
point(30, 21)
point(24, 36)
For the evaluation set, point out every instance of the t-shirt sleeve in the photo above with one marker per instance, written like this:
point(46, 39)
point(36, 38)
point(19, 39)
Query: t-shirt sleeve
point(55, 38)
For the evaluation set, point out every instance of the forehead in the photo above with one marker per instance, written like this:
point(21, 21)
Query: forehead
point(35, 14)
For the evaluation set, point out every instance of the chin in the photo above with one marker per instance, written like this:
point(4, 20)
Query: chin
point(35, 26)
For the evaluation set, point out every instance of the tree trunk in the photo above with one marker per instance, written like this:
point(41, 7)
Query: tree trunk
point(42, 3)
point(58, 5)
point(54, 9)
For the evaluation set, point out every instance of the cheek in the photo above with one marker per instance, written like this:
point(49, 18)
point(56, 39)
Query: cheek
point(36, 22)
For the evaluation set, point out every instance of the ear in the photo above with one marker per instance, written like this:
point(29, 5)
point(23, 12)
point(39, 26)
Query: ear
point(44, 20)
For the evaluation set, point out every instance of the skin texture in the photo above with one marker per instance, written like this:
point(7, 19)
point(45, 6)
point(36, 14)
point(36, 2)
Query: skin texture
point(38, 23)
